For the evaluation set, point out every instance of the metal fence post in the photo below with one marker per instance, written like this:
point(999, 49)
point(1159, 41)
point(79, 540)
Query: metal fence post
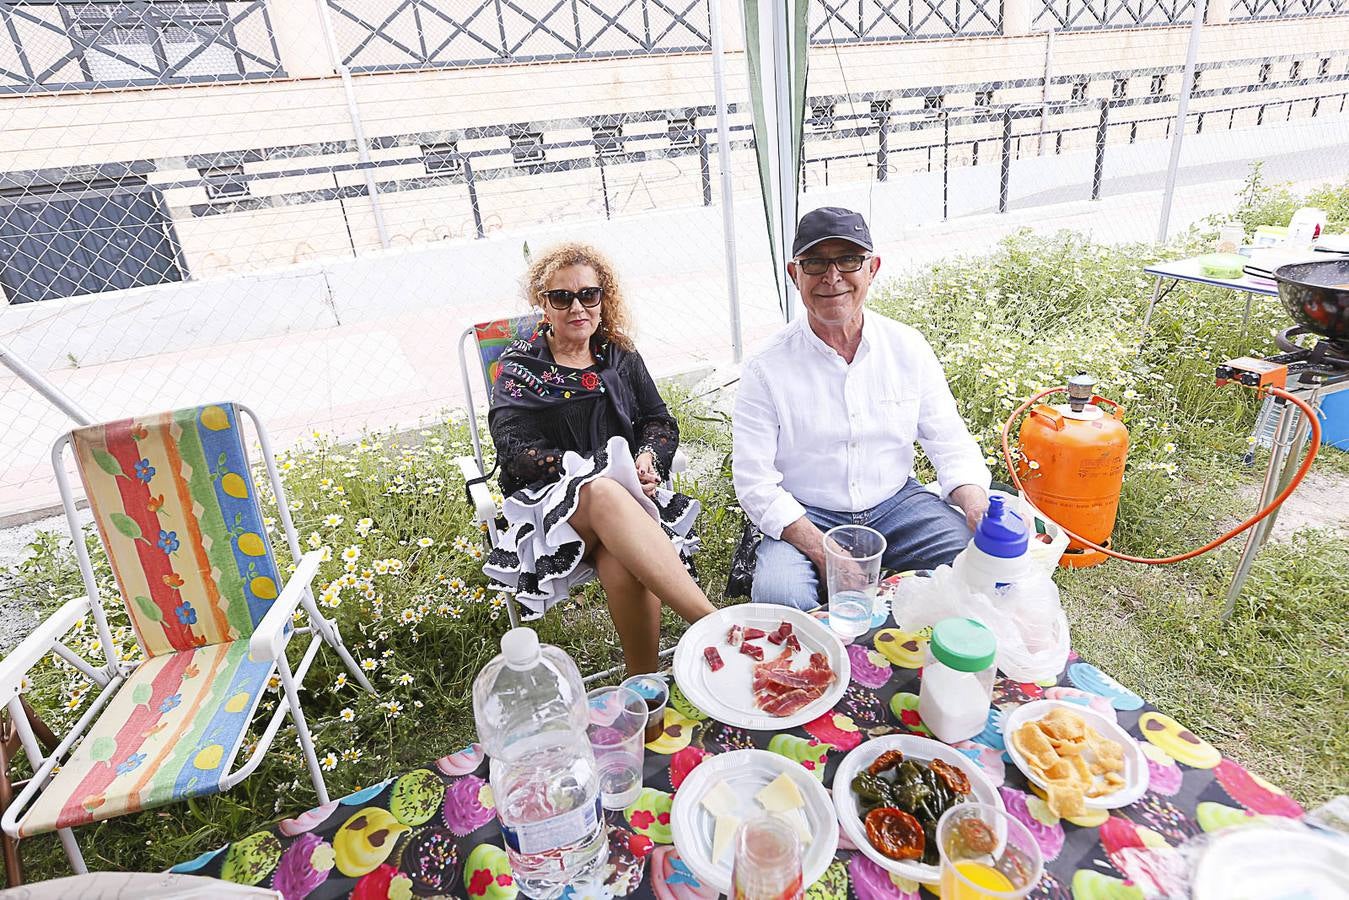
point(1098, 174)
point(705, 169)
point(473, 196)
point(1005, 175)
point(945, 162)
point(882, 151)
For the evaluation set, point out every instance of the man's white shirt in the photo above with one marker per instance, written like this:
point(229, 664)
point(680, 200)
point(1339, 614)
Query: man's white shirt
point(812, 429)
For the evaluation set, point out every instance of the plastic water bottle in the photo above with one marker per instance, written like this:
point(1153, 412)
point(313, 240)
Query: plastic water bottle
point(530, 708)
point(997, 557)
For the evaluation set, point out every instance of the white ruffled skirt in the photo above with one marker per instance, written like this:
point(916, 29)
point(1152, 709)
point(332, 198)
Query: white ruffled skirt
point(541, 557)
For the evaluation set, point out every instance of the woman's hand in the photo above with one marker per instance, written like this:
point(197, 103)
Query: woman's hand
point(646, 473)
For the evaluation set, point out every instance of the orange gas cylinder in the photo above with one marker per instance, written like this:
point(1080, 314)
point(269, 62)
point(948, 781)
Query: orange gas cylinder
point(1072, 468)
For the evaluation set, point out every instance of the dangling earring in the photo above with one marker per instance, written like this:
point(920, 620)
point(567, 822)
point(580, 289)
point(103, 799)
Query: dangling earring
point(545, 329)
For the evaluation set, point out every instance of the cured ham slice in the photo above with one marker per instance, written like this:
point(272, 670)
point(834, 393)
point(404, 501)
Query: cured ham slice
point(714, 660)
point(752, 634)
point(781, 690)
point(753, 650)
point(793, 643)
point(783, 632)
point(735, 635)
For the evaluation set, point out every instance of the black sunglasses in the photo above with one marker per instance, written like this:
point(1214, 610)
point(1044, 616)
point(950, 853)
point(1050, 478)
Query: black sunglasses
point(559, 299)
point(818, 265)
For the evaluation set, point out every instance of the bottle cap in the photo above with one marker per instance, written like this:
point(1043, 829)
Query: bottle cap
point(1001, 532)
point(965, 645)
point(520, 646)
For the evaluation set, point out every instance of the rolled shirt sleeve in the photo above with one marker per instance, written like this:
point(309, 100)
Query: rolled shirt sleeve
point(942, 433)
point(758, 483)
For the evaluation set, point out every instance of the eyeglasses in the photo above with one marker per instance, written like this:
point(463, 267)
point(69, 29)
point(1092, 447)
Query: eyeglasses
point(818, 265)
point(589, 297)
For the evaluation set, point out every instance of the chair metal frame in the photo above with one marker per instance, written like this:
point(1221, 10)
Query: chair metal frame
point(485, 509)
point(268, 641)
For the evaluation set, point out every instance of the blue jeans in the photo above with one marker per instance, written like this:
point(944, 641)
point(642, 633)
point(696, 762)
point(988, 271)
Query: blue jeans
point(921, 532)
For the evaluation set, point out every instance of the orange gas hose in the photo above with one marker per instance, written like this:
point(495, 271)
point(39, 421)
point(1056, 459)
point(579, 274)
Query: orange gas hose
point(1166, 560)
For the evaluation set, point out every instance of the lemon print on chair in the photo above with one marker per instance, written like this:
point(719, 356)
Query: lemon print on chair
point(234, 485)
point(209, 757)
point(238, 703)
point(251, 544)
point(214, 418)
point(263, 587)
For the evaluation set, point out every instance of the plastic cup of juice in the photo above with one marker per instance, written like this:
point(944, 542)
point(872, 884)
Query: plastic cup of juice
point(986, 854)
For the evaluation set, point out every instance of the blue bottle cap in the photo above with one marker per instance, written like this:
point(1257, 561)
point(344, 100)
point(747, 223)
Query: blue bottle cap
point(1001, 532)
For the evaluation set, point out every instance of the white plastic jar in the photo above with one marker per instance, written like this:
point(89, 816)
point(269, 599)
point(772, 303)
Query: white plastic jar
point(957, 680)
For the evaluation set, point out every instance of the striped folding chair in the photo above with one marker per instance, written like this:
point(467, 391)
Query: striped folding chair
point(177, 511)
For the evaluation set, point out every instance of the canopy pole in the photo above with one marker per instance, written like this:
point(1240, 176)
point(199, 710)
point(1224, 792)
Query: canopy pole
point(727, 195)
point(1182, 110)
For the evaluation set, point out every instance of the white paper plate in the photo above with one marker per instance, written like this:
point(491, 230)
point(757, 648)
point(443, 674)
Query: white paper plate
point(1254, 862)
point(920, 750)
point(1135, 763)
point(745, 772)
point(726, 694)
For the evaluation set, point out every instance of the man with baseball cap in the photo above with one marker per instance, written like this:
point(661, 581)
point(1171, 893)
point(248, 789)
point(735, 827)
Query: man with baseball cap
point(825, 422)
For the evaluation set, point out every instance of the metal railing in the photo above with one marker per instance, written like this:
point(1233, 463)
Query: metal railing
point(48, 46)
point(435, 33)
point(863, 21)
point(1286, 9)
point(1079, 15)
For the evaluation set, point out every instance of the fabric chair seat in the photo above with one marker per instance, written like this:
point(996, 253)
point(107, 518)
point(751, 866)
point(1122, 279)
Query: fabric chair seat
point(171, 732)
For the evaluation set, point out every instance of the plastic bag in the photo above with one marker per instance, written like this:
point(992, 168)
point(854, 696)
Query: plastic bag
point(1027, 619)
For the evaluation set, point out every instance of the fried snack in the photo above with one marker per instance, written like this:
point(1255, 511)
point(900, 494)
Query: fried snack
point(1054, 747)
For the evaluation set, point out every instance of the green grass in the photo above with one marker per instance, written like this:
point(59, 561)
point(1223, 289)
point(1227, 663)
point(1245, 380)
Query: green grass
point(1268, 687)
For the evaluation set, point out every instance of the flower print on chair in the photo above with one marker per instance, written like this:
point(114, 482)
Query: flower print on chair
point(155, 504)
point(130, 764)
point(168, 541)
point(170, 703)
point(185, 613)
point(145, 471)
point(173, 580)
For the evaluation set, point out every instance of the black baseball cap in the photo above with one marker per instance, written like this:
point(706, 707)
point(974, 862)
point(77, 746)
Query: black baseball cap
point(831, 222)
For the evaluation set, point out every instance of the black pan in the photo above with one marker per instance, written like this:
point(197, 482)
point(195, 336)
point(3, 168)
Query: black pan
point(1316, 295)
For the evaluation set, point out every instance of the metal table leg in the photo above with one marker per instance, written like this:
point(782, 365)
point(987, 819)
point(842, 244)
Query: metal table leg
point(1278, 454)
point(1156, 293)
point(1246, 317)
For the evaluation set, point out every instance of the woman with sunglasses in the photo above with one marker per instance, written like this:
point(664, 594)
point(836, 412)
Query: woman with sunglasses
point(583, 440)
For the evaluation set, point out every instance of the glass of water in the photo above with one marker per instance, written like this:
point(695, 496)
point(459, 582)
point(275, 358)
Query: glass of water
point(617, 722)
point(852, 557)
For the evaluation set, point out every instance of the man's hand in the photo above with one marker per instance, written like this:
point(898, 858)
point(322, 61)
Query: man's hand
point(806, 537)
point(646, 473)
point(973, 501)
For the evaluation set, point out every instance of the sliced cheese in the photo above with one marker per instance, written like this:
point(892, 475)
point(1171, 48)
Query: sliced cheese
point(780, 795)
point(796, 818)
point(724, 836)
point(720, 800)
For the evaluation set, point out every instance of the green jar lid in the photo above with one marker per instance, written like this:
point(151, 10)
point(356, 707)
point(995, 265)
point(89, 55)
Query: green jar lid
point(965, 645)
point(1223, 265)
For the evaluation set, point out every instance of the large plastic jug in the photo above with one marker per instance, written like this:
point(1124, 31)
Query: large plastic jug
point(997, 556)
point(529, 705)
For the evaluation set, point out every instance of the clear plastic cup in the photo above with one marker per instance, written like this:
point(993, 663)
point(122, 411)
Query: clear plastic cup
point(852, 563)
point(986, 854)
point(767, 862)
point(657, 695)
point(617, 725)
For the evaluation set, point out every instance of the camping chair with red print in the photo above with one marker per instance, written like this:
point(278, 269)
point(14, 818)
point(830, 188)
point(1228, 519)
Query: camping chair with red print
point(178, 514)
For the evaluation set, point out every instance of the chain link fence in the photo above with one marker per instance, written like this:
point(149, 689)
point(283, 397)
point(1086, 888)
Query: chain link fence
point(302, 205)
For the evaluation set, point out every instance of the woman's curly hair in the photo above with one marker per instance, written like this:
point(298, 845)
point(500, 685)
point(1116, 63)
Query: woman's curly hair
point(614, 322)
